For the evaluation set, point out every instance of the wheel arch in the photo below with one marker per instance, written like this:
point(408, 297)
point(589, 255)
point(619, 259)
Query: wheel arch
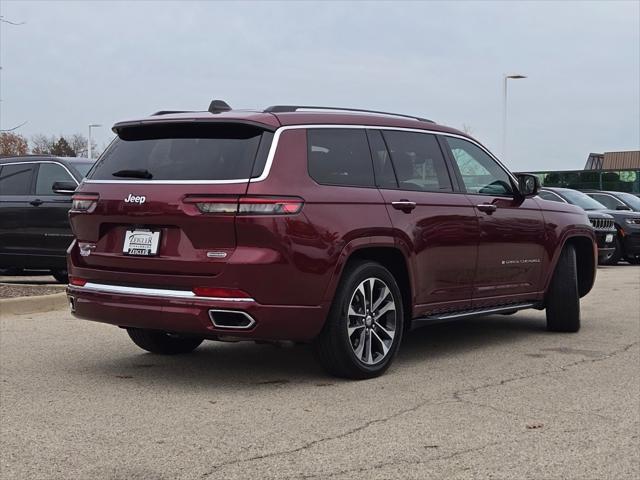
point(586, 261)
point(389, 256)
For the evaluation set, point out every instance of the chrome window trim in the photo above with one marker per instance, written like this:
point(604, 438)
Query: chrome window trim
point(152, 292)
point(562, 200)
point(274, 147)
point(39, 162)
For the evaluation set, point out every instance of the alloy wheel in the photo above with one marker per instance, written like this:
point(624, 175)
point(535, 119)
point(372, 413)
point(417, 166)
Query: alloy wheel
point(371, 321)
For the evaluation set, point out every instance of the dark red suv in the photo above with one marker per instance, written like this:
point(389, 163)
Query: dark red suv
point(344, 228)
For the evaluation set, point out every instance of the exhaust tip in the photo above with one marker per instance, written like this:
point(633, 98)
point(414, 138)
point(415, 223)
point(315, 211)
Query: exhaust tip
point(231, 319)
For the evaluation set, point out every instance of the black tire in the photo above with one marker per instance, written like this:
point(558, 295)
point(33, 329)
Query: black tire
point(563, 299)
point(334, 348)
point(156, 341)
point(616, 255)
point(61, 276)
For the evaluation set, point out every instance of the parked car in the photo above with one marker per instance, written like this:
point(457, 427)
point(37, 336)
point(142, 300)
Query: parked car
point(616, 200)
point(626, 242)
point(342, 228)
point(35, 197)
point(603, 225)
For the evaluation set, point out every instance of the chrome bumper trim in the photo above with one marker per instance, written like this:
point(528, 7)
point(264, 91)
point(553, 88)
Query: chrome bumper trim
point(152, 292)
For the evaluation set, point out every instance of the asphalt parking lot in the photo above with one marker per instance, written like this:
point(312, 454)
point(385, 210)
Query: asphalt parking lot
point(497, 397)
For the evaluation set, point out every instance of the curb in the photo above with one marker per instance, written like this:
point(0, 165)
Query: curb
point(33, 304)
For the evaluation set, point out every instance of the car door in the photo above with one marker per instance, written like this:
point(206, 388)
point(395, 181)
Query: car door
point(48, 212)
point(436, 226)
point(511, 250)
point(16, 183)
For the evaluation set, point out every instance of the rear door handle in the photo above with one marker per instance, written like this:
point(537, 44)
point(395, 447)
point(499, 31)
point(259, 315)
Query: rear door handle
point(405, 205)
point(36, 203)
point(487, 208)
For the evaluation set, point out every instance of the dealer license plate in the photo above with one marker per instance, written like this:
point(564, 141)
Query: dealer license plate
point(141, 242)
point(608, 238)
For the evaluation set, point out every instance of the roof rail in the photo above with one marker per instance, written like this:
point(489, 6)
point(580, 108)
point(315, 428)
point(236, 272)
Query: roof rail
point(295, 108)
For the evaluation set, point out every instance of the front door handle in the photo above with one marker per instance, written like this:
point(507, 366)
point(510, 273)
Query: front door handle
point(36, 203)
point(487, 208)
point(405, 205)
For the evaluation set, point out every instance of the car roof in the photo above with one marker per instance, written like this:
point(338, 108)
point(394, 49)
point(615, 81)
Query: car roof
point(37, 158)
point(272, 120)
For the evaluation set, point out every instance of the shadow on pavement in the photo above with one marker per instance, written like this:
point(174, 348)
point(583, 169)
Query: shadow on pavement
point(216, 364)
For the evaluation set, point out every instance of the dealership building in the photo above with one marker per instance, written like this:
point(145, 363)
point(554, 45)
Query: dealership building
point(619, 171)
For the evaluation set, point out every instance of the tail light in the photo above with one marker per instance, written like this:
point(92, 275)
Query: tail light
point(84, 202)
point(269, 205)
point(77, 281)
point(220, 292)
point(247, 205)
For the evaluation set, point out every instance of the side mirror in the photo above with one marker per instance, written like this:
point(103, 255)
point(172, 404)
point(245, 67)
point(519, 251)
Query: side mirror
point(64, 188)
point(528, 185)
point(622, 207)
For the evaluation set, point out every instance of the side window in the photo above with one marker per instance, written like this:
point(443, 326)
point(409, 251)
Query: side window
point(418, 161)
point(550, 196)
point(607, 200)
point(480, 173)
point(339, 157)
point(48, 174)
point(16, 179)
point(385, 176)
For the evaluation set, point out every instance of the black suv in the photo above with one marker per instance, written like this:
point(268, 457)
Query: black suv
point(626, 238)
point(35, 198)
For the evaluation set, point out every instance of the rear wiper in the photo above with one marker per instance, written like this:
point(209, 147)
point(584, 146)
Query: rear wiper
point(133, 174)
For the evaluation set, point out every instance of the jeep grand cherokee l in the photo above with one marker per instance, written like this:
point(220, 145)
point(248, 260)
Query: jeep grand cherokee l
point(626, 241)
point(338, 227)
point(35, 198)
point(603, 225)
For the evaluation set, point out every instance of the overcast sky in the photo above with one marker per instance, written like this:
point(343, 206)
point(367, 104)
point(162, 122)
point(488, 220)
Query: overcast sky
point(75, 63)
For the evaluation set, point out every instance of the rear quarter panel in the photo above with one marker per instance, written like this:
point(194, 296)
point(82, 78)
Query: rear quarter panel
point(302, 252)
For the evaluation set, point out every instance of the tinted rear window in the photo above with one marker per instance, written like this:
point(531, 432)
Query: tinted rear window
point(182, 152)
point(339, 157)
point(16, 179)
point(418, 161)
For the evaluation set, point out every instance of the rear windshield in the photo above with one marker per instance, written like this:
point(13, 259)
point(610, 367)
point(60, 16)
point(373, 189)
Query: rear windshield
point(182, 152)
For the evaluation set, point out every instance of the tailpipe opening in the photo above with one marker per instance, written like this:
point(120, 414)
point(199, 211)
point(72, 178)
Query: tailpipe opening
point(231, 319)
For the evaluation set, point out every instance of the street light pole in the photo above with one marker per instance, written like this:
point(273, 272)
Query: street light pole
point(91, 125)
point(504, 111)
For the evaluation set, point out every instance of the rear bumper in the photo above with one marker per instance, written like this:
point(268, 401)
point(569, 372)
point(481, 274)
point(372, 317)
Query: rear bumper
point(181, 312)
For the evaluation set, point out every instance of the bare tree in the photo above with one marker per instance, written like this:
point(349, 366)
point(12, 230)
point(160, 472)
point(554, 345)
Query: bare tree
point(41, 144)
point(78, 144)
point(467, 129)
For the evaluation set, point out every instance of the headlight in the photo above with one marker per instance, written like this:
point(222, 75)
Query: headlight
point(632, 221)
